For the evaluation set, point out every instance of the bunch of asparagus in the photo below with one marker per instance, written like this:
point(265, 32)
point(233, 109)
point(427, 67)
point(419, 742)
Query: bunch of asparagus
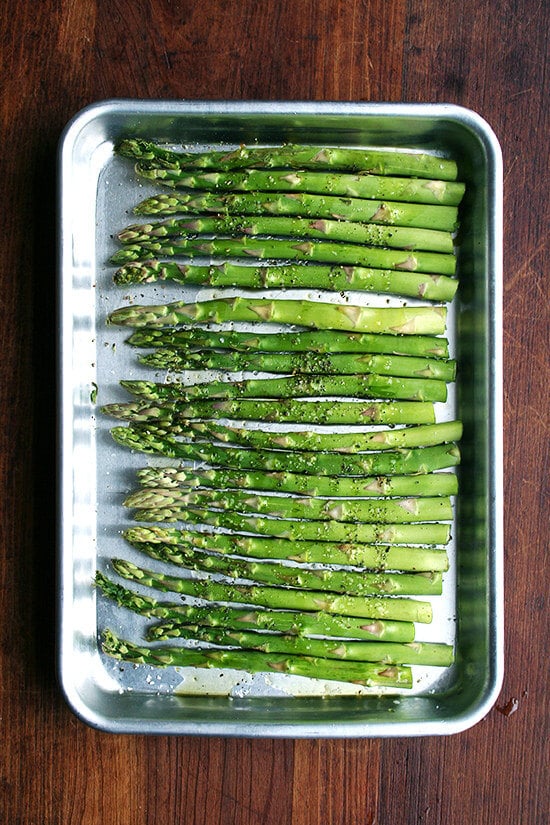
point(344, 219)
point(332, 533)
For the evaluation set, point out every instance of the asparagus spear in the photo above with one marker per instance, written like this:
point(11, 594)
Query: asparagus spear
point(284, 598)
point(375, 556)
point(296, 386)
point(364, 185)
point(174, 478)
point(290, 249)
point(393, 237)
point(317, 340)
point(401, 462)
point(293, 156)
point(304, 204)
point(312, 362)
point(281, 621)
point(421, 320)
point(417, 653)
point(424, 435)
point(352, 583)
point(330, 530)
point(286, 410)
point(170, 503)
point(360, 673)
point(296, 276)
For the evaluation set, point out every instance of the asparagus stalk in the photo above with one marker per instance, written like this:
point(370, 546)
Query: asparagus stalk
point(360, 673)
point(281, 598)
point(424, 435)
point(317, 340)
point(352, 583)
point(296, 386)
point(330, 530)
point(290, 249)
point(364, 185)
point(421, 320)
point(174, 478)
point(283, 410)
point(393, 237)
point(304, 204)
point(280, 621)
point(171, 505)
point(293, 156)
point(374, 556)
point(417, 653)
point(406, 366)
point(401, 462)
point(422, 508)
point(297, 276)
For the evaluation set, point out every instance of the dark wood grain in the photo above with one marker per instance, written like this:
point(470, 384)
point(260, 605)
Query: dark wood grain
point(59, 55)
point(462, 57)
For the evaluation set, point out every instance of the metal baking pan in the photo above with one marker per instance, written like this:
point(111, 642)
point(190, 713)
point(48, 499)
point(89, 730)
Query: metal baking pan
point(96, 192)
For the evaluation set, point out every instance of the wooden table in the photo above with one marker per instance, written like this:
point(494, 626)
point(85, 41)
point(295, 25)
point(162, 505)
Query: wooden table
point(60, 56)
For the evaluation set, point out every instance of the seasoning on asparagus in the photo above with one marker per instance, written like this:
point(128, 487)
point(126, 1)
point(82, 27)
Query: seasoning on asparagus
point(350, 232)
point(293, 156)
point(344, 184)
point(400, 462)
point(360, 673)
point(281, 410)
point(400, 608)
point(304, 204)
point(406, 366)
point(302, 623)
point(307, 340)
point(373, 556)
point(295, 512)
point(423, 435)
point(431, 654)
point(335, 531)
point(350, 582)
point(170, 503)
point(290, 249)
point(174, 478)
point(292, 276)
point(295, 386)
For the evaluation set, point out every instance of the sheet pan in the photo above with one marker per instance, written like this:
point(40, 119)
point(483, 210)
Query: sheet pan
point(96, 192)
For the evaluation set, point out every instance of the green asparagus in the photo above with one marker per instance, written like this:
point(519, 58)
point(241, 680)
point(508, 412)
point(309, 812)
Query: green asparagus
point(374, 556)
point(293, 156)
point(299, 363)
point(330, 530)
point(290, 249)
point(295, 386)
point(421, 320)
point(317, 340)
point(170, 503)
point(282, 410)
point(304, 204)
point(328, 533)
point(399, 608)
point(350, 582)
point(343, 184)
point(417, 653)
point(174, 478)
point(371, 234)
point(360, 673)
point(424, 435)
point(296, 276)
point(281, 621)
point(400, 462)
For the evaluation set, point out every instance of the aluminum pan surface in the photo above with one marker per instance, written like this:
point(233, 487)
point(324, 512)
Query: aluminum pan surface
point(94, 197)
